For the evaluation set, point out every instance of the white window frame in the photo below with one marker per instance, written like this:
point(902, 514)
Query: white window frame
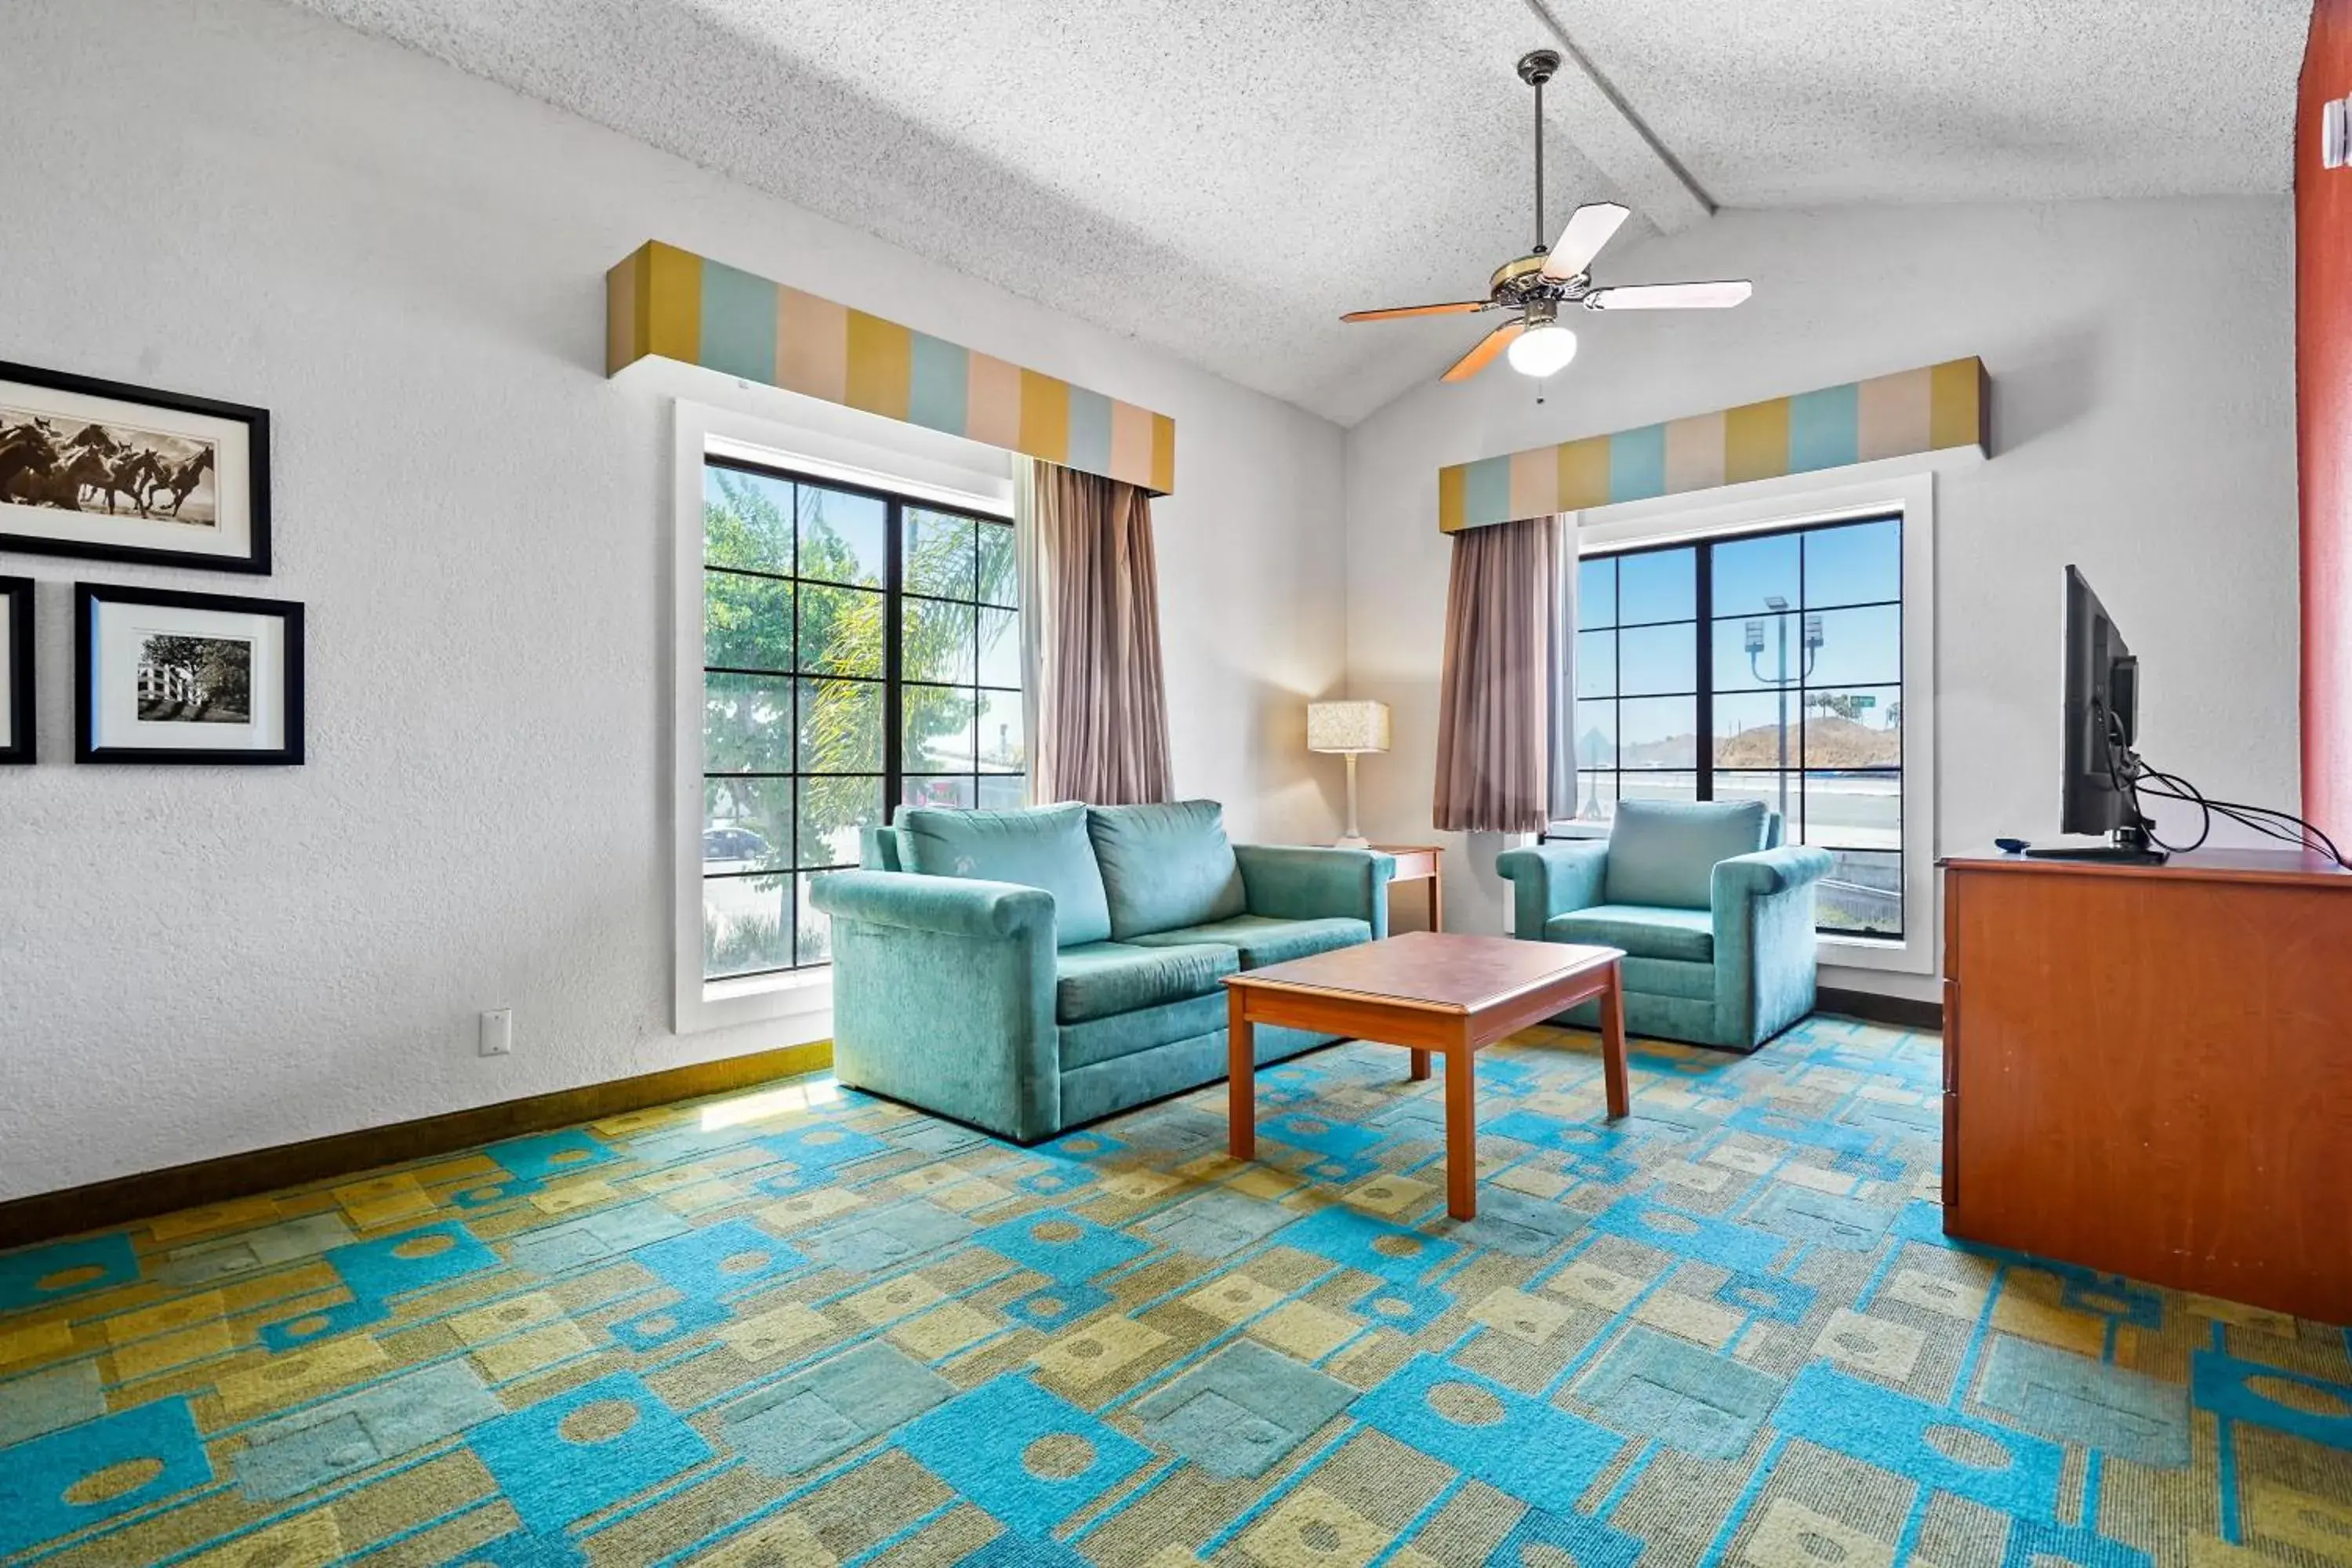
point(1901, 485)
point(824, 442)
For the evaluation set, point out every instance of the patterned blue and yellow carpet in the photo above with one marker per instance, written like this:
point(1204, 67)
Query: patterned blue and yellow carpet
point(805, 1327)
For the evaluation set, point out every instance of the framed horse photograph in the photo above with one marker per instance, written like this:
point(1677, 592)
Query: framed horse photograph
point(162, 676)
point(16, 671)
point(111, 472)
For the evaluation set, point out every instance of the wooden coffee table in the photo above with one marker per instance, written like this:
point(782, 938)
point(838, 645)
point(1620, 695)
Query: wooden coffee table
point(1427, 991)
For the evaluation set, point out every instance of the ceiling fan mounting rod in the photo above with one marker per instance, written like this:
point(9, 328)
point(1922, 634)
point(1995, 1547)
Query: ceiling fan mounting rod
point(1536, 67)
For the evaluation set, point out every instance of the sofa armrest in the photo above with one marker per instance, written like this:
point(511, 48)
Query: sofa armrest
point(1552, 879)
point(1306, 882)
point(1765, 950)
point(1768, 872)
point(943, 996)
point(953, 906)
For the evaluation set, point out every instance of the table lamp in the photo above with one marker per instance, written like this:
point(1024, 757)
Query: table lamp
point(1349, 729)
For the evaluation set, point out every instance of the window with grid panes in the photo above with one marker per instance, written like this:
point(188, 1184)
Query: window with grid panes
point(1756, 666)
point(859, 647)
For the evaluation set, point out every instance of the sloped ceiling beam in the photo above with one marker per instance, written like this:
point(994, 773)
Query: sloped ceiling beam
point(1606, 130)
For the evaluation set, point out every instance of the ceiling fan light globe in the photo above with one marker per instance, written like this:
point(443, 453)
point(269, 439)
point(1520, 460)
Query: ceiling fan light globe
point(1542, 351)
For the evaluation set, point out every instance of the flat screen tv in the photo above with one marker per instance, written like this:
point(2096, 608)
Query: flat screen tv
point(2101, 704)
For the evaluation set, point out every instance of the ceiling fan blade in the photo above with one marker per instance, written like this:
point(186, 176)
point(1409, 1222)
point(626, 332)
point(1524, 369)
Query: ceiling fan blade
point(1671, 296)
point(1492, 345)
point(1455, 308)
point(1589, 229)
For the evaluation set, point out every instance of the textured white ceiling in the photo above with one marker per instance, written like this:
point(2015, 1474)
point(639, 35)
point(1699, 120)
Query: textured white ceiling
point(1808, 102)
point(1224, 177)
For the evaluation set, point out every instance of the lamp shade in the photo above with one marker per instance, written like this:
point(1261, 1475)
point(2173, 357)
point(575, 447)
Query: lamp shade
point(1347, 726)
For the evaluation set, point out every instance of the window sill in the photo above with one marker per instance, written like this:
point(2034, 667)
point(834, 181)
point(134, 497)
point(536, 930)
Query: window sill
point(786, 983)
point(1911, 955)
point(719, 1004)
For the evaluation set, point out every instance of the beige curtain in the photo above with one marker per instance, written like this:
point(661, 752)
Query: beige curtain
point(1100, 730)
point(1504, 696)
point(1560, 755)
point(1029, 571)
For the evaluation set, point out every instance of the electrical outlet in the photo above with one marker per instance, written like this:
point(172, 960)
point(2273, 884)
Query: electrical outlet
point(498, 1031)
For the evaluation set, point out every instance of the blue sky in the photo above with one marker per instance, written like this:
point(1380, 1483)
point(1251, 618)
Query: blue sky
point(1832, 574)
point(1855, 565)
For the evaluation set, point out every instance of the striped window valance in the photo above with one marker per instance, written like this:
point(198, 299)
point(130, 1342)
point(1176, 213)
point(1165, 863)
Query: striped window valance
point(661, 300)
point(1926, 410)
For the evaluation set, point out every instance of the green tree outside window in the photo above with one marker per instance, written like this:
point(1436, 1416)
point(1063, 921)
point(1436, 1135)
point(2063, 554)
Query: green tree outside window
point(797, 618)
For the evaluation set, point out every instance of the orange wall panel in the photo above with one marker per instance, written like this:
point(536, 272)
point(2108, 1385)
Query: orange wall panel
point(2323, 214)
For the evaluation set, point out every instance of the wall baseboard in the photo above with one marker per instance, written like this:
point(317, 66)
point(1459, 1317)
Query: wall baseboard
point(1904, 1012)
point(45, 1216)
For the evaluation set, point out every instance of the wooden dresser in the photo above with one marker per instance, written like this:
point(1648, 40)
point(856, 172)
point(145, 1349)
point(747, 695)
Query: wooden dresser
point(2148, 1070)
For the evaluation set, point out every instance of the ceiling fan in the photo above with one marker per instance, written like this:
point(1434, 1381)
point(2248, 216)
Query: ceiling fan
point(1539, 284)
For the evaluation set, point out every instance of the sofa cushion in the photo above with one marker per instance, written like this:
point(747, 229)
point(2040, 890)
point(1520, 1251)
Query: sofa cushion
point(878, 849)
point(1663, 852)
point(1101, 1088)
point(1098, 979)
point(1146, 1030)
point(1643, 931)
point(1165, 866)
point(1046, 848)
point(1669, 977)
point(1262, 940)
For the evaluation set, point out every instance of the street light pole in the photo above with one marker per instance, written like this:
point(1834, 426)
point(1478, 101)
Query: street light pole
point(1780, 681)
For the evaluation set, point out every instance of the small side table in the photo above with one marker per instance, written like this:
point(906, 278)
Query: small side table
point(1421, 862)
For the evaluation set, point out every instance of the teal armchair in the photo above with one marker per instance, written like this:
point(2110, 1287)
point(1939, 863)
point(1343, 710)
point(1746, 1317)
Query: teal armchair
point(1714, 913)
point(1027, 971)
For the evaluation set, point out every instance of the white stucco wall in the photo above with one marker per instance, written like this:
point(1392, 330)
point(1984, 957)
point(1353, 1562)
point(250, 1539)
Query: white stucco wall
point(406, 265)
point(2142, 406)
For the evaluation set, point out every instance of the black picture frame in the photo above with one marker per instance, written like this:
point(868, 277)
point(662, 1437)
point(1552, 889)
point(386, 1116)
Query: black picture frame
point(254, 560)
point(23, 745)
point(88, 596)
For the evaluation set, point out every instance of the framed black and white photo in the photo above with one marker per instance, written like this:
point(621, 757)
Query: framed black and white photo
point(16, 671)
point(122, 473)
point(168, 677)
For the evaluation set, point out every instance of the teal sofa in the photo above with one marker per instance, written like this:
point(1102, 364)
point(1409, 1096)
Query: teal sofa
point(1714, 912)
point(1027, 971)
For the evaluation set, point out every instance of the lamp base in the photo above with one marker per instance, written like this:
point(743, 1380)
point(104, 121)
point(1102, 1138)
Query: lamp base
point(1352, 841)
